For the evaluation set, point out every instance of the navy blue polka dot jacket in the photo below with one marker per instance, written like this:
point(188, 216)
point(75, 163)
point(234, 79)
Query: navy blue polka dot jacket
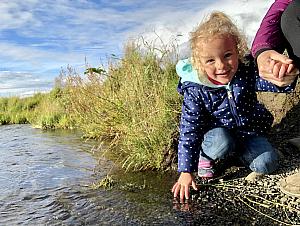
point(233, 106)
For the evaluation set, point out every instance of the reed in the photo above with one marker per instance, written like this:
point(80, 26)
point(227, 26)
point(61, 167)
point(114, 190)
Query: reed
point(133, 106)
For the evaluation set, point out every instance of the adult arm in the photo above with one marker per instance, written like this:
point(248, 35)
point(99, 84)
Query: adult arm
point(268, 45)
point(269, 35)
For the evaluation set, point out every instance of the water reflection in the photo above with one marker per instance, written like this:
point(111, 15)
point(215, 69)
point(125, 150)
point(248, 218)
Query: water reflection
point(184, 206)
point(35, 166)
point(45, 178)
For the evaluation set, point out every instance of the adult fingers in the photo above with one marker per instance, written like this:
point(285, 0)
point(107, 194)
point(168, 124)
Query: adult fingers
point(287, 80)
point(290, 68)
point(276, 69)
point(280, 57)
point(282, 70)
point(294, 72)
point(267, 76)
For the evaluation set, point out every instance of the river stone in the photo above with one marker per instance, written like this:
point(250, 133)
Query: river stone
point(295, 142)
point(254, 176)
point(291, 185)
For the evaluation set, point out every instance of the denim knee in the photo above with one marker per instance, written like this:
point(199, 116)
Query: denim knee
point(265, 163)
point(217, 144)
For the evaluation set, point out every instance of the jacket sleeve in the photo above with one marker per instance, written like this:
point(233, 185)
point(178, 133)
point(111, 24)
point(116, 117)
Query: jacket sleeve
point(269, 34)
point(266, 86)
point(191, 130)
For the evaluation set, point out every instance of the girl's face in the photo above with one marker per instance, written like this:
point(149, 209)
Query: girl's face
point(219, 58)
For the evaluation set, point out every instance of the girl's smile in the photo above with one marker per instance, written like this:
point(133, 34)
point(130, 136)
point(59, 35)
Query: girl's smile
point(219, 58)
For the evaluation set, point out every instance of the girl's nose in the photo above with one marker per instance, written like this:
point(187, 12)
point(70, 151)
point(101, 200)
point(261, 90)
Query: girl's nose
point(220, 65)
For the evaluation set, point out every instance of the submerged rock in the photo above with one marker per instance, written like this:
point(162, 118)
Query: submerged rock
point(295, 142)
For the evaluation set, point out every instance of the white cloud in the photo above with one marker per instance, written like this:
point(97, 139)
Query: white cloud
point(40, 37)
point(21, 82)
point(37, 58)
point(245, 13)
point(12, 16)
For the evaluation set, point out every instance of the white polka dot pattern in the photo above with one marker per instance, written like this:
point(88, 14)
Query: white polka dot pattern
point(205, 108)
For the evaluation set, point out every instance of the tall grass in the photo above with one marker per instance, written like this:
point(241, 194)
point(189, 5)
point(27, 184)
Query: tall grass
point(44, 111)
point(134, 106)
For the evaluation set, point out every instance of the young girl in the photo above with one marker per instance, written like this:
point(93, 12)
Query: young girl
point(220, 110)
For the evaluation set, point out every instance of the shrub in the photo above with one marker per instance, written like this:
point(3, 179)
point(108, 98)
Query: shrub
point(133, 105)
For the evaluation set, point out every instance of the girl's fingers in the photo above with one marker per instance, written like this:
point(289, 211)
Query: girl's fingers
point(194, 186)
point(176, 189)
point(186, 191)
point(182, 193)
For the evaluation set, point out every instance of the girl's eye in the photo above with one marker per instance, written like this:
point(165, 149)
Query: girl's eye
point(227, 55)
point(209, 61)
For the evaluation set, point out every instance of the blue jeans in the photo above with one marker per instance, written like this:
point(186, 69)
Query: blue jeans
point(255, 151)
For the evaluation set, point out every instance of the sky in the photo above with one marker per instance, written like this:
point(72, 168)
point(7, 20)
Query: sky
point(40, 38)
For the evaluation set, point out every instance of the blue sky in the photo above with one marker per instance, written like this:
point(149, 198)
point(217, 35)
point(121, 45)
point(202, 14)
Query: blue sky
point(40, 37)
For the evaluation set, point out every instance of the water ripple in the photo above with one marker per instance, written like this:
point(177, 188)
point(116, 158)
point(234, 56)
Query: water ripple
point(43, 178)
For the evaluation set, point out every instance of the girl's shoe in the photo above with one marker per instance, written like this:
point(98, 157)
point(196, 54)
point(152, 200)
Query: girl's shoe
point(205, 169)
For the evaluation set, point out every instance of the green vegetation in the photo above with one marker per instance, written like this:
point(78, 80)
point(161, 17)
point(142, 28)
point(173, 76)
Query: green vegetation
point(107, 183)
point(133, 107)
point(41, 110)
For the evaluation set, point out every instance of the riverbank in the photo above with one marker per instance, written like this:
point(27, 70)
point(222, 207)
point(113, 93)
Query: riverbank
point(259, 202)
point(236, 201)
point(42, 110)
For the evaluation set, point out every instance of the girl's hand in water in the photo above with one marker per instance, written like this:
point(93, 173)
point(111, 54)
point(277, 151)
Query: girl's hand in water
point(182, 186)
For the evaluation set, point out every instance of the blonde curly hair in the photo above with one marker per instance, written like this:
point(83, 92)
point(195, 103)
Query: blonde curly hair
point(217, 25)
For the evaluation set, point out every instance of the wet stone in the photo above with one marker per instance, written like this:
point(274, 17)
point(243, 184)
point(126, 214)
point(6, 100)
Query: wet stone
point(295, 142)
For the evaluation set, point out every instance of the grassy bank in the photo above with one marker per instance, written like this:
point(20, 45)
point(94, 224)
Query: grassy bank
point(134, 107)
point(44, 111)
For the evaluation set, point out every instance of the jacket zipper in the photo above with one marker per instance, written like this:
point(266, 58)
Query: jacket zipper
point(232, 105)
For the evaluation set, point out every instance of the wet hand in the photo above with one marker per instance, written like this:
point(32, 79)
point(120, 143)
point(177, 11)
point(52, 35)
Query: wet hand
point(182, 186)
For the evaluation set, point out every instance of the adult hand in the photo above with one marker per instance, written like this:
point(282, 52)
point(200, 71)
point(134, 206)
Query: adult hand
point(182, 186)
point(276, 68)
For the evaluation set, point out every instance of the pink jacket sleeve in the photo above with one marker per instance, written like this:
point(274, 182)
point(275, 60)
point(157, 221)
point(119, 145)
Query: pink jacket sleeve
point(269, 35)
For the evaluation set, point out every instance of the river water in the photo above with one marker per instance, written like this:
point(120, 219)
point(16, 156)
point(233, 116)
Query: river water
point(45, 179)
